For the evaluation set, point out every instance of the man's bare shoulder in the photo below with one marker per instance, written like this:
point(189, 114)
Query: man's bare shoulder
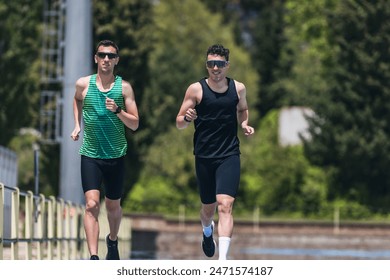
point(82, 87)
point(239, 86)
point(126, 85)
point(195, 87)
point(127, 89)
point(83, 82)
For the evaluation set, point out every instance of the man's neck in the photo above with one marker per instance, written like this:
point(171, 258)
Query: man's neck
point(105, 80)
point(218, 86)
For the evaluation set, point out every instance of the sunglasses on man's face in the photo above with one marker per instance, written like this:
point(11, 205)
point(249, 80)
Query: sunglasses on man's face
point(104, 54)
point(218, 63)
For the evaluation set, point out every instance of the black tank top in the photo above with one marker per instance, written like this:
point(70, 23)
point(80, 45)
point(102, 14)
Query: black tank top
point(216, 126)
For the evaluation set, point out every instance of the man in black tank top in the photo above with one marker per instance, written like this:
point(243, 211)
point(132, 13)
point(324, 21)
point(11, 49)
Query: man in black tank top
point(217, 105)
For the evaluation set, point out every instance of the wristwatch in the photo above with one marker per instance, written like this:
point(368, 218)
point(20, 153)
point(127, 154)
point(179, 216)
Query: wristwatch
point(118, 110)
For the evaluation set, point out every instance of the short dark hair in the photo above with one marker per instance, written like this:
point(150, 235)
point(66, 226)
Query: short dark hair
point(107, 43)
point(218, 49)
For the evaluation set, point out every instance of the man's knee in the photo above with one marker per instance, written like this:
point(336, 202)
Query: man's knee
point(92, 207)
point(113, 205)
point(225, 203)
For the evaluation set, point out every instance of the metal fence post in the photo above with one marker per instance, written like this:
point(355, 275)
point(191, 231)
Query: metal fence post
point(60, 227)
point(15, 204)
point(28, 223)
point(51, 206)
point(41, 211)
point(67, 235)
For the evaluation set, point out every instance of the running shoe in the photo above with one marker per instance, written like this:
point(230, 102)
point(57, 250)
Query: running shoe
point(94, 257)
point(112, 249)
point(208, 243)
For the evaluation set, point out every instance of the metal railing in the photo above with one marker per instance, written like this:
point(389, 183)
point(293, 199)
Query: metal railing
point(36, 227)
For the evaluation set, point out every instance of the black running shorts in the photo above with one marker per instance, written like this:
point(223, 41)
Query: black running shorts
point(108, 172)
point(217, 176)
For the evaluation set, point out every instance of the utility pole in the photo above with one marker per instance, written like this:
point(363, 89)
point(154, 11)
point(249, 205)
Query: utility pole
point(77, 63)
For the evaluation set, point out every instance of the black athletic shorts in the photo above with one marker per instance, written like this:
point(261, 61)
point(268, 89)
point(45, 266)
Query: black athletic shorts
point(108, 172)
point(217, 176)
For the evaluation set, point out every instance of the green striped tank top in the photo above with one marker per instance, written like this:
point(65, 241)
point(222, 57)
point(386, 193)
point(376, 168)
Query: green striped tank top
point(104, 132)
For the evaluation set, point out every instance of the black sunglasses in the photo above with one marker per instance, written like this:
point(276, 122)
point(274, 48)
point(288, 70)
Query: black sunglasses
point(104, 54)
point(218, 63)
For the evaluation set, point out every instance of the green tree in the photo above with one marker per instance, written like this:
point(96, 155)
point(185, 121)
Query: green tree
point(267, 32)
point(307, 52)
point(279, 179)
point(350, 134)
point(20, 61)
point(20, 45)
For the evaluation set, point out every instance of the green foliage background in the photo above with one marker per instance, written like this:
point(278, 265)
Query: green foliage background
point(329, 55)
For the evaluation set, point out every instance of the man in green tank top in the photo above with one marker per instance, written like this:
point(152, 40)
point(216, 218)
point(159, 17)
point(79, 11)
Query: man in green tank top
point(107, 104)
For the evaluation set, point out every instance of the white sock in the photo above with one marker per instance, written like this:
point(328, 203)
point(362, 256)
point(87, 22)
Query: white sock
point(223, 245)
point(208, 230)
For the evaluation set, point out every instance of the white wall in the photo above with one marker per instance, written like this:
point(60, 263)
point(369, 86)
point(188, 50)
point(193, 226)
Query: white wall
point(292, 122)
